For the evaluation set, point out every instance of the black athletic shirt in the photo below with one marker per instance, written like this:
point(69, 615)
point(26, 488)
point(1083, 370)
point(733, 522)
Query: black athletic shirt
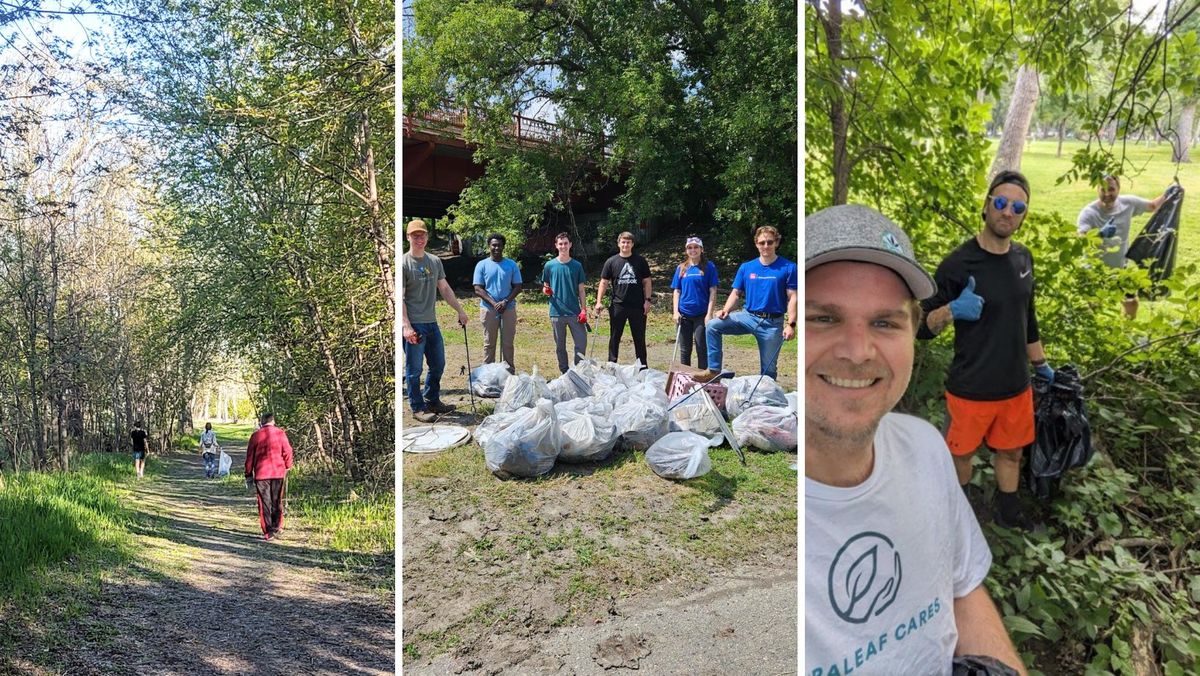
point(139, 440)
point(990, 361)
point(626, 275)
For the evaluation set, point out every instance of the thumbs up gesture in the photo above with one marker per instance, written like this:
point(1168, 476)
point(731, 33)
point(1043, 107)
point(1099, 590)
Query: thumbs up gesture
point(969, 305)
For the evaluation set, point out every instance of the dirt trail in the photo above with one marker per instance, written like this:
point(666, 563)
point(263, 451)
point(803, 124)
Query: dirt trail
point(229, 602)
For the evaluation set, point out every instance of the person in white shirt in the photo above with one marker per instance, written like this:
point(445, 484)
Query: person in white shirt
point(210, 450)
point(894, 558)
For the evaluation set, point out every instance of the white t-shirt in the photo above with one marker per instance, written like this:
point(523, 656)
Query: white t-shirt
point(1094, 216)
point(885, 560)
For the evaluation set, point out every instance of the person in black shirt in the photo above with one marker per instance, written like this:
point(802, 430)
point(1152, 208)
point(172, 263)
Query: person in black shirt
point(986, 288)
point(139, 448)
point(629, 276)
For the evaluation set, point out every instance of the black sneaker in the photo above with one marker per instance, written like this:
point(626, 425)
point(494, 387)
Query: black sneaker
point(439, 407)
point(1018, 522)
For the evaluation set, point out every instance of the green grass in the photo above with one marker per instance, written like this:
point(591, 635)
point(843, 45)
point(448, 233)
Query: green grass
point(351, 519)
point(1153, 172)
point(74, 517)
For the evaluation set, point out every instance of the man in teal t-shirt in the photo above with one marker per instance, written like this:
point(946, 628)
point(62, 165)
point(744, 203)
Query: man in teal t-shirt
point(563, 280)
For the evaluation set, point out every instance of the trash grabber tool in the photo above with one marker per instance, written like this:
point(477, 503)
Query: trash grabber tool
point(470, 385)
point(675, 352)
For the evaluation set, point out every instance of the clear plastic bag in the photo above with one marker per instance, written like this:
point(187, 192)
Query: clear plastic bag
point(767, 428)
point(654, 378)
point(527, 446)
point(224, 464)
point(522, 391)
point(693, 415)
point(586, 430)
point(641, 421)
point(681, 455)
point(746, 391)
point(487, 381)
point(568, 386)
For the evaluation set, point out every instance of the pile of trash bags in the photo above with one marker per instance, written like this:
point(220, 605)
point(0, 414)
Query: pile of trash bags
point(596, 408)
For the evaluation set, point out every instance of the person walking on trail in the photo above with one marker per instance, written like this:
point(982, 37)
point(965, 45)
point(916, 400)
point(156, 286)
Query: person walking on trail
point(210, 450)
point(628, 274)
point(879, 486)
point(139, 436)
point(268, 459)
point(1111, 214)
point(986, 289)
point(564, 282)
point(769, 285)
point(693, 301)
point(424, 279)
point(497, 282)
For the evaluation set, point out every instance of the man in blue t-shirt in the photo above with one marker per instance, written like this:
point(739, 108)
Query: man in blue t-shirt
point(497, 282)
point(769, 285)
point(563, 280)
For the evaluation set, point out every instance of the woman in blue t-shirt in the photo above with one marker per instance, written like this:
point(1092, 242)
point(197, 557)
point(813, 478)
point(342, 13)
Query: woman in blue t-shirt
point(694, 299)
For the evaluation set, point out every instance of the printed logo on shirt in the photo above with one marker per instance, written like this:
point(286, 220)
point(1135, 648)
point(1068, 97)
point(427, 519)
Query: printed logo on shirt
point(627, 276)
point(864, 577)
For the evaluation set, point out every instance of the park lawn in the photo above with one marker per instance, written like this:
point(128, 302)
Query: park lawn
point(1154, 172)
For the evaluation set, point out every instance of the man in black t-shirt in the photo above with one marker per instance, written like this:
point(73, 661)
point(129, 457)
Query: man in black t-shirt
point(138, 435)
point(986, 288)
point(629, 276)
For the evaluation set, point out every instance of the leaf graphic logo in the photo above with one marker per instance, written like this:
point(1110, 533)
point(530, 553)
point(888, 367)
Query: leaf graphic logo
point(864, 577)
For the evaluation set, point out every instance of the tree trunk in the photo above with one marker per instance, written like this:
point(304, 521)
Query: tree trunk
point(1016, 123)
point(1062, 132)
point(1181, 141)
point(832, 24)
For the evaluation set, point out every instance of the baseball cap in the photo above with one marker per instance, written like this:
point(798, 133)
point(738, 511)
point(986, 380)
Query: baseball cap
point(416, 226)
point(853, 232)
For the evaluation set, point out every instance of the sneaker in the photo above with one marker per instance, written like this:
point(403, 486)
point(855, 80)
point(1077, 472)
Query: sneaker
point(706, 376)
point(439, 407)
point(267, 536)
point(1019, 522)
point(425, 416)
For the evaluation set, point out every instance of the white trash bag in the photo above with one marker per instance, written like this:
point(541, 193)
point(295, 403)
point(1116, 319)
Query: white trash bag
point(793, 399)
point(586, 430)
point(568, 386)
point(641, 421)
point(655, 378)
point(487, 381)
point(767, 428)
point(693, 415)
point(681, 455)
point(522, 391)
point(224, 464)
point(527, 446)
point(738, 397)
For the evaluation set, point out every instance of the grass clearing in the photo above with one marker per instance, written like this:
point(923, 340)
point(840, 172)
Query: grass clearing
point(1154, 172)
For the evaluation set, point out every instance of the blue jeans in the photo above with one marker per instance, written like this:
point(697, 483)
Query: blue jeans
point(767, 332)
point(210, 464)
point(432, 349)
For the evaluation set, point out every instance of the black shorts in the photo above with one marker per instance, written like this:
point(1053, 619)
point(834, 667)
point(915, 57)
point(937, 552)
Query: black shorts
point(139, 455)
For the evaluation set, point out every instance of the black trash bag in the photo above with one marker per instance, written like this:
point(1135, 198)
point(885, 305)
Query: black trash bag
point(1154, 248)
point(981, 665)
point(1063, 438)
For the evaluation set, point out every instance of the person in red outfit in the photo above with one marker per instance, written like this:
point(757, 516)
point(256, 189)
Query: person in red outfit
point(268, 458)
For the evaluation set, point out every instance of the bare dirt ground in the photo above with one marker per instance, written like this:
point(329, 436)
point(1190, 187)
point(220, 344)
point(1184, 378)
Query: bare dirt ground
point(206, 594)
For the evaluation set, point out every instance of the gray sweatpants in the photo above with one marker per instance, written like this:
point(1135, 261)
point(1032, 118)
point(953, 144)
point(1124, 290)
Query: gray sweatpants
point(578, 335)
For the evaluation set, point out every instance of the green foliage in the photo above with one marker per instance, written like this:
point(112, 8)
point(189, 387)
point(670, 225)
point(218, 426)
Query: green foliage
point(53, 518)
point(691, 108)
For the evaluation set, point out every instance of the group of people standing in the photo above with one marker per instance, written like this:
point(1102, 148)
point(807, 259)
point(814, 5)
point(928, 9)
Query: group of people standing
point(768, 284)
point(867, 298)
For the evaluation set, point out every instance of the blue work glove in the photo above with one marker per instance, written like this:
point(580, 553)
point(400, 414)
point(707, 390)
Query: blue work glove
point(1109, 229)
point(1045, 371)
point(969, 305)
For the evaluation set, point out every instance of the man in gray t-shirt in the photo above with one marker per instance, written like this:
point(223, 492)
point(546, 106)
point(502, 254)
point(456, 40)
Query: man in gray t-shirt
point(424, 279)
point(1112, 215)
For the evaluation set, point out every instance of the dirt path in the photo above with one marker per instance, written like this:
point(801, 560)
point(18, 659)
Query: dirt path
point(740, 624)
point(206, 594)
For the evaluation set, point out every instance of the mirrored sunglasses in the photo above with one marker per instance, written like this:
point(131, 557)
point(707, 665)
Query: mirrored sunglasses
point(1000, 201)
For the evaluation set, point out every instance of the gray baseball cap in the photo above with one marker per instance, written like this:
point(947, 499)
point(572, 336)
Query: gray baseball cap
point(853, 232)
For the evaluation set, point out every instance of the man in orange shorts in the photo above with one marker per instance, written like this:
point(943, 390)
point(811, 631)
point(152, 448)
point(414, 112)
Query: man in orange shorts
point(986, 288)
